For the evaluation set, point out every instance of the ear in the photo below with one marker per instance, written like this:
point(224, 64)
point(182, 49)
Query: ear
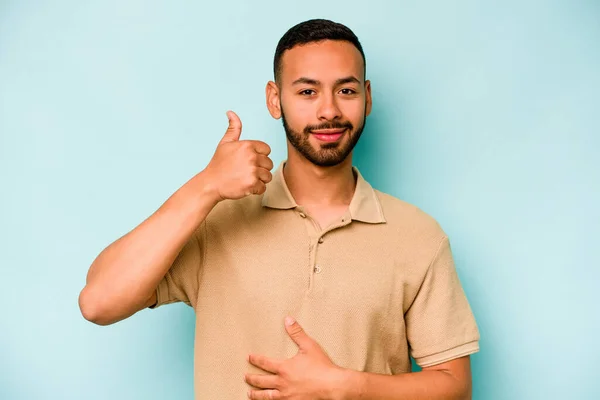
point(369, 99)
point(273, 100)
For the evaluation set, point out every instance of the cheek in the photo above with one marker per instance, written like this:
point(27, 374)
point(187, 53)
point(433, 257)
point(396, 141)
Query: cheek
point(299, 107)
point(298, 113)
point(354, 112)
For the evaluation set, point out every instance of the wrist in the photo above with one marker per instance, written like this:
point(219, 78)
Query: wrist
point(206, 189)
point(194, 200)
point(346, 384)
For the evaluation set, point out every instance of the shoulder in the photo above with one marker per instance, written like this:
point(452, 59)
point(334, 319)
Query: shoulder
point(409, 221)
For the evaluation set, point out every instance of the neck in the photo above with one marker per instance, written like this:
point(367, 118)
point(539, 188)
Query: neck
point(311, 185)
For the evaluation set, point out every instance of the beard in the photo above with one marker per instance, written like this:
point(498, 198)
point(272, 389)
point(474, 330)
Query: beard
point(329, 154)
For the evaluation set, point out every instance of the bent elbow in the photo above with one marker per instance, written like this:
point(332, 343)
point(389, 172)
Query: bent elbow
point(90, 308)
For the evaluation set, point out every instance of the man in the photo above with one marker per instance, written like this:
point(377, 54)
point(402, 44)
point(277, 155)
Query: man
point(362, 280)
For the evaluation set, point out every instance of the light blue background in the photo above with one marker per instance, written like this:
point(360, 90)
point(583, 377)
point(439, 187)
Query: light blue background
point(486, 115)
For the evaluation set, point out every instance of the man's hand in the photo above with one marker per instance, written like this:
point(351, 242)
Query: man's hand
point(309, 375)
point(238, 168)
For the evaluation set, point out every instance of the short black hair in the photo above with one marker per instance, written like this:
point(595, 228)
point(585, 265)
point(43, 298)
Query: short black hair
point(314, 30)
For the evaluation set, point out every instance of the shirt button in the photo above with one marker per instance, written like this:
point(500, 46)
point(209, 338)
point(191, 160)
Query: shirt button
point(320, 240)
point(317, 269)
point(303, 215)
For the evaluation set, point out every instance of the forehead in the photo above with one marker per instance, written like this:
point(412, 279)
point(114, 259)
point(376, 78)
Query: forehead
point(325, 61)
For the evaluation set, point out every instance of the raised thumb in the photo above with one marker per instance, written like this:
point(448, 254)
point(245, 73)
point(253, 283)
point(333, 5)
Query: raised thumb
point(234, 130)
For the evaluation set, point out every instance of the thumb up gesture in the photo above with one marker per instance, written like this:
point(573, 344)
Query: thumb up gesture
point(239, 168)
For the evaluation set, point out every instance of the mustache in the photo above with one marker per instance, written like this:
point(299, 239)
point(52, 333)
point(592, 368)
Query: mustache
point(328, 125)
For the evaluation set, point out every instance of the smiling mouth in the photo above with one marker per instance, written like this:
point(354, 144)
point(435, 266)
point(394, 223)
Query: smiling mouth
point(328, 131)
point(328, 135)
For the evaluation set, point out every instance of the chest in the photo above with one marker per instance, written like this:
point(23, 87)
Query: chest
point(284, 265)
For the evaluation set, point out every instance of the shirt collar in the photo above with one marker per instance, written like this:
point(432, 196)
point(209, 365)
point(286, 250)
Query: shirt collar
point(364, 206)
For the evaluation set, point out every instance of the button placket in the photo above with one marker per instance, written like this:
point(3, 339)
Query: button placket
point(316, 236)
point(313, 234)
point(317, 269)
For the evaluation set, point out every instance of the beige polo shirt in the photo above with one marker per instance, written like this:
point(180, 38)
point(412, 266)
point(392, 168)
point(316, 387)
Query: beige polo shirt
point(377, 285)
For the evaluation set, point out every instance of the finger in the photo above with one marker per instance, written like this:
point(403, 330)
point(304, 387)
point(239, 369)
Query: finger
point(269, 394)
point(259, 188)
point(234, 130)
point(297, 334)
point(265, 363)
point(262, 187)
point(264, 162)
point(264, 175)
point(262, 381)
point(261, 147)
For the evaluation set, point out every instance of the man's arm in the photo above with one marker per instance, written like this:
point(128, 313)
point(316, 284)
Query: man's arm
point(123, 279)
point(311, 374)
point(447, 381)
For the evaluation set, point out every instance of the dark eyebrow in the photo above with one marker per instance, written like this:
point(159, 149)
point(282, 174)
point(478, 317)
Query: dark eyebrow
point(348, 79)
point(314, 82)
point(306, 81)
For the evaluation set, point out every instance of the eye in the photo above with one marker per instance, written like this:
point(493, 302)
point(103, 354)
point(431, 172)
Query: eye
point(347, 91)
point(307, 92)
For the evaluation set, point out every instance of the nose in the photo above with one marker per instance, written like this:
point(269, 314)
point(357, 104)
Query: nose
point(328, 108)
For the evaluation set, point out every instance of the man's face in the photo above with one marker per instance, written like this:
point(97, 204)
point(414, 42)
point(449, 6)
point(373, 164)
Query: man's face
point(323, 100)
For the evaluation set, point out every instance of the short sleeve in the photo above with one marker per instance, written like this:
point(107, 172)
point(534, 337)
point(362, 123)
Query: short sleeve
point(181, 282)
point(440, 325)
